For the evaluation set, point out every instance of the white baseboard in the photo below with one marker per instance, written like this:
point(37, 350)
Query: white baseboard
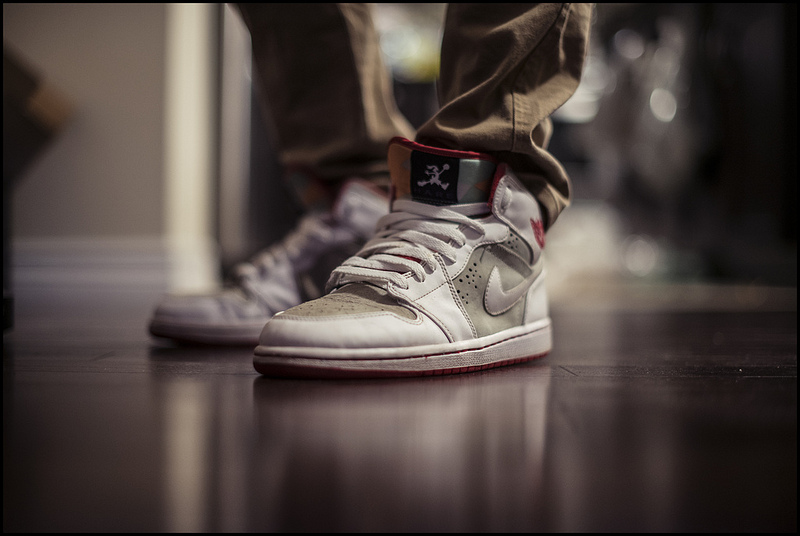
point(124, 263)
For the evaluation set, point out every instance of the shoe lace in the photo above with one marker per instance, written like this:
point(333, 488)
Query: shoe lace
point(312, 228)
point(406, 244)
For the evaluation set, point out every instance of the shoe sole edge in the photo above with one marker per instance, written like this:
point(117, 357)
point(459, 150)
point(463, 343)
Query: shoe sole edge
point(211, 335)
point(484, 353)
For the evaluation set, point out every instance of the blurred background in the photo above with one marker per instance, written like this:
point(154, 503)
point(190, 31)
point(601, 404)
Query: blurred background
point(136, 153)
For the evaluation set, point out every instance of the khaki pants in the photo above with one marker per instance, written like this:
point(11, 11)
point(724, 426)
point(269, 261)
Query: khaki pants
point(505, 68)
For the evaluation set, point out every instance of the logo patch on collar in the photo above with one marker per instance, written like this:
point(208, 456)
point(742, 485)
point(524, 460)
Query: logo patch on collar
point(434, 178)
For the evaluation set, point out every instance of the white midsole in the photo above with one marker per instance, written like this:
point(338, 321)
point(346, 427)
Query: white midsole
point(523, 341)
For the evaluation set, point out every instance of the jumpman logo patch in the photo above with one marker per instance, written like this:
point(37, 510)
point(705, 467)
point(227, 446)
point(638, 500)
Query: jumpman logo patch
point(433, 172)
point(434, 178)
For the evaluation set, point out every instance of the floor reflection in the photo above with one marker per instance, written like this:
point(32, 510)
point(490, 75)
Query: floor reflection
point(457, 453)
point(186, 455)
point(206, 430)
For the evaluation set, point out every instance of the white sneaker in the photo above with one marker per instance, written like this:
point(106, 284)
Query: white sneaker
point(283, 275)
point(452, 282)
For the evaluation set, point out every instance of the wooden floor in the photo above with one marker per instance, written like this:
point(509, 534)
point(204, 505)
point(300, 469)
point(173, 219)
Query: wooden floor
point(669, 409)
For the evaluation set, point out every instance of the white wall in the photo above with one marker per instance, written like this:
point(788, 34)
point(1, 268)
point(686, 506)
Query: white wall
point(123, 184)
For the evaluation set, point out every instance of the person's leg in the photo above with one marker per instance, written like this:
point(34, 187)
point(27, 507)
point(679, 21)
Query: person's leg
point(326, 86)
point(505, 68)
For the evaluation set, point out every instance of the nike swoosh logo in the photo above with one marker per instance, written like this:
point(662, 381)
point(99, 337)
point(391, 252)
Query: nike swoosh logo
point(498, 300)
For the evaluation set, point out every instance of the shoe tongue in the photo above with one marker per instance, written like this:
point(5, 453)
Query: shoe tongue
point(441, 177)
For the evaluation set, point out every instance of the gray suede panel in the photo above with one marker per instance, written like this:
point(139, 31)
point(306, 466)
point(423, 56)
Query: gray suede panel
point(470, 284)
point(518, 245)
point(352, 299)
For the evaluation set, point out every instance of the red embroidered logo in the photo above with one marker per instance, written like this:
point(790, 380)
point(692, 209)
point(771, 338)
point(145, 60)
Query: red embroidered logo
point(538, 232)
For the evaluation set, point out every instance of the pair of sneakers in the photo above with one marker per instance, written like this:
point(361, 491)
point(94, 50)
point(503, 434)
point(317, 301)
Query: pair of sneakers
point(451, 279)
